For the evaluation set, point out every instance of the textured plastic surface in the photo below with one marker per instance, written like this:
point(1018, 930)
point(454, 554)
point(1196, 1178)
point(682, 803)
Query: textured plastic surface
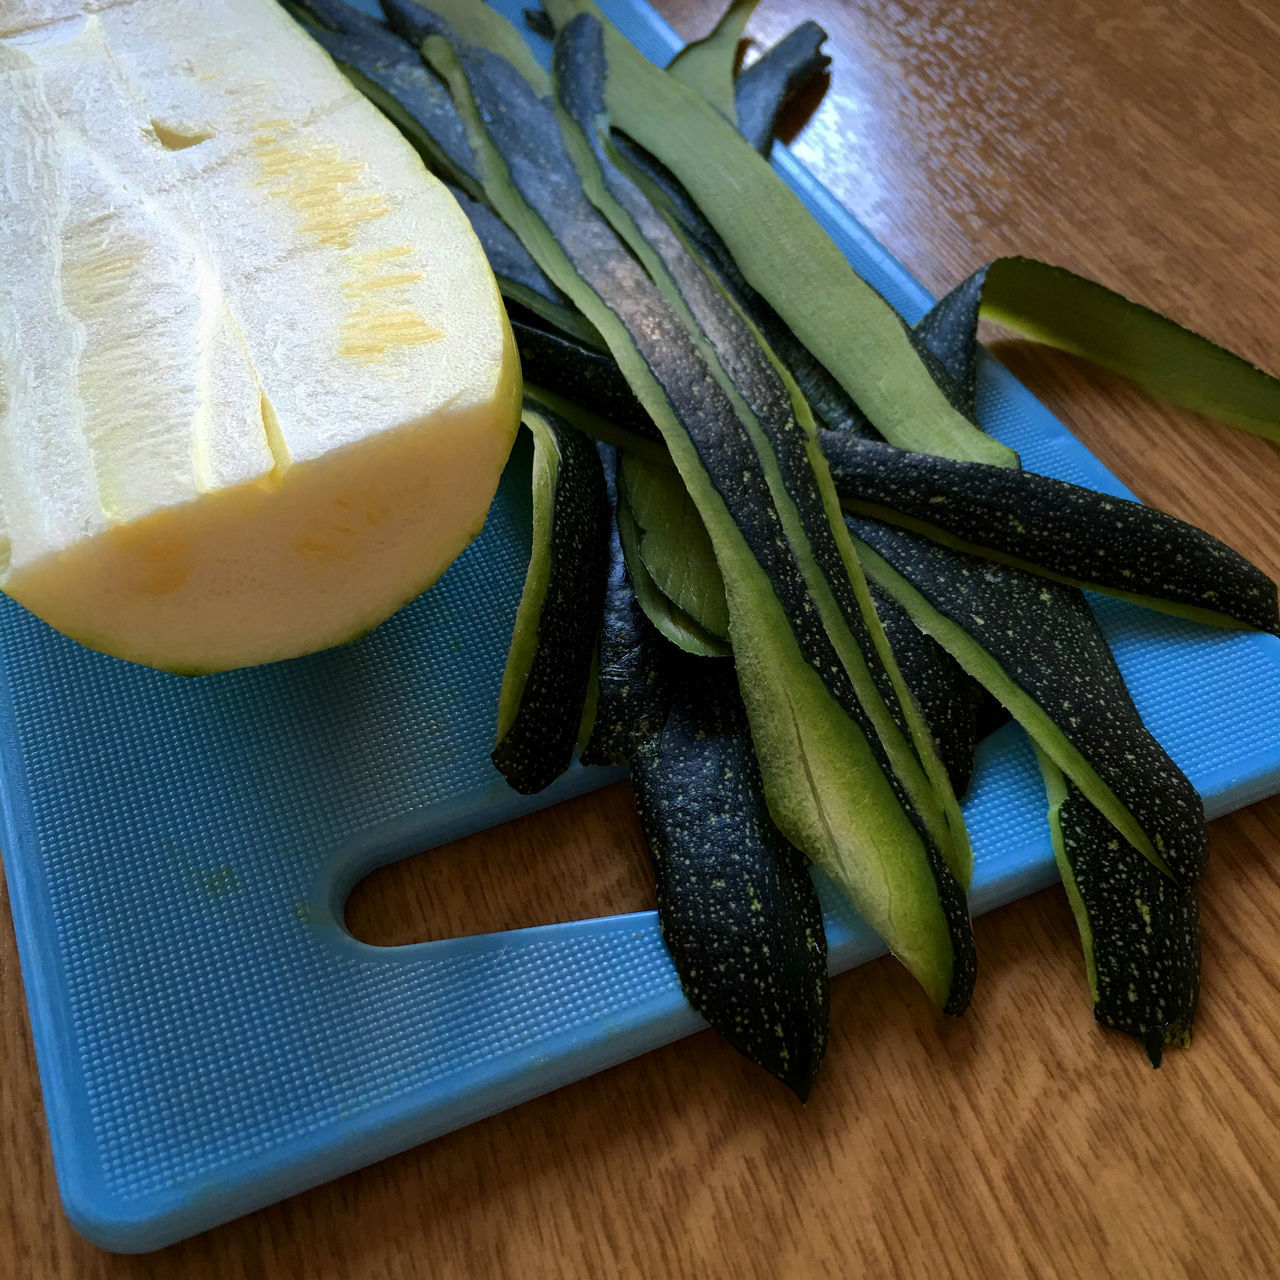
point(210, 1039)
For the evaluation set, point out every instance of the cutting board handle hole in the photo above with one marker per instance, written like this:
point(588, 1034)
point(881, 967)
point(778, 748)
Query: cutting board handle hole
point(574, 861)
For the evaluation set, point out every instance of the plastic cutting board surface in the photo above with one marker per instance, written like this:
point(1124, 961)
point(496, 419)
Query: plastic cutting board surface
point(210, 1038)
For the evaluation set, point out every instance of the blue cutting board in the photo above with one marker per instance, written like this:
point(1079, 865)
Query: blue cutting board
point(211, 1039)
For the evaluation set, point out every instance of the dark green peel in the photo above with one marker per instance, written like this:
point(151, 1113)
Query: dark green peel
point(938, 685)
point(827, 399)
point(843, 722)
point(784, 254)
point(600, 429)
point(950, 331)
point(585, 375)
point(1140, 931)
point(829, 402)
point(391, 73)
point(1072, 534)
point(676, 549)
point(538, 22)
point(580, 372)
point(633, 674)
point(508, 258)
point(544, 686)
point(1036, 645)
point(483, 28)
point(737, 906)
point(736, 902)
point(806, 739)
point(783, 71)
point(847, 801)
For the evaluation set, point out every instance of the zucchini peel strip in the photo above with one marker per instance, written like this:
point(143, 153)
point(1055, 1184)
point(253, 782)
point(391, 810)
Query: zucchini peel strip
point(548, 670)
point(1140, 931)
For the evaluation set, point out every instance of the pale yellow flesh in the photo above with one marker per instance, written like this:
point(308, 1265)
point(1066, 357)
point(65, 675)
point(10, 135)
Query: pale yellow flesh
point(340, 545)
point(256, 382)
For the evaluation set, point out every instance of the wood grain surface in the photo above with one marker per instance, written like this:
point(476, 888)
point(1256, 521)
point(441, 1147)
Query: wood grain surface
point(1138, 143)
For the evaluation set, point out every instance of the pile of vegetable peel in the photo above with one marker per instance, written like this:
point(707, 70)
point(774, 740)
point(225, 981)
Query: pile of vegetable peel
point(793, 575)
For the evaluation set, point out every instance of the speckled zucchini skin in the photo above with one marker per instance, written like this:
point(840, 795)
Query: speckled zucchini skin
point(765, 87)
point(736, 902)
point(632, 668)
point(941, 689)
point(405, 86)
point(1089, 538)
point(1141, 930)
point(939, 686)
point(737, 906)
point(585, 375)
point(539, 743)
point(679, 722)
point(831, 404)
point(508, 258)
point(1044, 637)
point(525, 133)
point(950, 331)
point(579, 77)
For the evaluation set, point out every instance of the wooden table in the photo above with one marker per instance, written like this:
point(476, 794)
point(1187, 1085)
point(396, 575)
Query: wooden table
point(1137, 143)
